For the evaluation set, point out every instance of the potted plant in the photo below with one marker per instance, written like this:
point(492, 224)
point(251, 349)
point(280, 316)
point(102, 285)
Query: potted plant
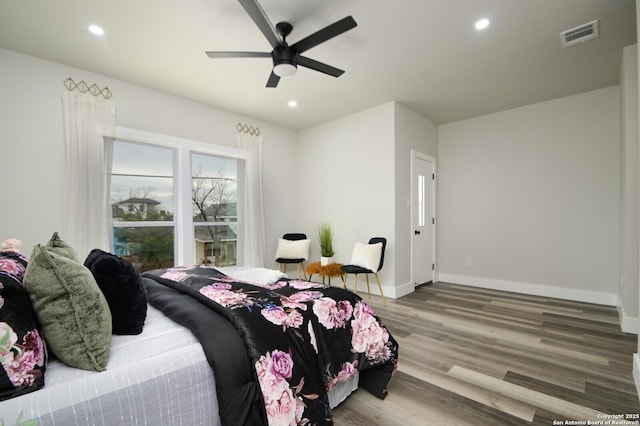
point(326, 244)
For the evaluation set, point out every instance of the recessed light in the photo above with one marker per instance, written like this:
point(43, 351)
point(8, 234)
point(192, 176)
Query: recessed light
point(96, 30)
point(482, 24)
point(293, 104)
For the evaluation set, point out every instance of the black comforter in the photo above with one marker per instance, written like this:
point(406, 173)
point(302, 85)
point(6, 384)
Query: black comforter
point(276, 350)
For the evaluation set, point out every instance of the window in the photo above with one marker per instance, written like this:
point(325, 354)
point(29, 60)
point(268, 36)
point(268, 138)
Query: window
point(172, 205)
point(214, 202)
point(421, 201)
point(142, 204)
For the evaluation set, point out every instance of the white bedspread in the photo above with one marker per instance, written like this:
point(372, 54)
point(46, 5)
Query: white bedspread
point(158, 377)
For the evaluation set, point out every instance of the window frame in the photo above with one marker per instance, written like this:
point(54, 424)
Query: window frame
point(183, 225)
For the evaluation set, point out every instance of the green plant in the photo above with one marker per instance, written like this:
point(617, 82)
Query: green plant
point(326, 240)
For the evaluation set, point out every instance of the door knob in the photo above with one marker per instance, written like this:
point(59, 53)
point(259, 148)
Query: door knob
point(416, 232)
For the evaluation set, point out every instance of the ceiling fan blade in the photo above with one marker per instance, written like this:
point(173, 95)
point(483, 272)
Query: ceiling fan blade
point(238, 54)
point(319, 66)
point(325, 34)
point(273, 80)
point(261, 19)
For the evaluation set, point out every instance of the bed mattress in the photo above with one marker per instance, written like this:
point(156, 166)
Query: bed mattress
point(158, 377)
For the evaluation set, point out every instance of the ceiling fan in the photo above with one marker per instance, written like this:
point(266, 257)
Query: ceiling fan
point(287, 58)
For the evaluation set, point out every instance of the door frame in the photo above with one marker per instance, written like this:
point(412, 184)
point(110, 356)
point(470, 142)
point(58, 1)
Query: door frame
point(419, 155)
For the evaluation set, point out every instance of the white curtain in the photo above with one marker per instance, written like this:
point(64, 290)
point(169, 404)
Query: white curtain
point(252, 213)
point(89, 125)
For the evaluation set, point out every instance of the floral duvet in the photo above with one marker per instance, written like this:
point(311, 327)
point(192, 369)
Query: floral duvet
point(277, 349)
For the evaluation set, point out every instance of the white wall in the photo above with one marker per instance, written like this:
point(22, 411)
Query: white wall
point(355, 174)
point(411, 132)
point(32, 149)
point(347, 179)
point(630, 187)
point(531, 198)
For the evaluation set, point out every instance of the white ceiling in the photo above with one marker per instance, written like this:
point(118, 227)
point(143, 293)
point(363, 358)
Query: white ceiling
point(422, 53)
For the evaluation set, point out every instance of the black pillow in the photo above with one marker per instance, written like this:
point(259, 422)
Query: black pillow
point(122, 287)
point(23, 354)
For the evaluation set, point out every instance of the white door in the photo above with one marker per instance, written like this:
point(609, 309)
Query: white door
point(422, 218)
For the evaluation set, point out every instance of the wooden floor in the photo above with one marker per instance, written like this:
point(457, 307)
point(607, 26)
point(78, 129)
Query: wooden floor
point(471, 356)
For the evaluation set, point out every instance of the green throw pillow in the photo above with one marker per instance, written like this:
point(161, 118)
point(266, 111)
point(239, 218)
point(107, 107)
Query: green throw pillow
point(73, 312)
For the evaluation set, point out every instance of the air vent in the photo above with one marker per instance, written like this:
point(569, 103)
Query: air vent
point(579, 34)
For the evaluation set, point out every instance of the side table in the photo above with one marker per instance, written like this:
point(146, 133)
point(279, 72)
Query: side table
point(328, 271)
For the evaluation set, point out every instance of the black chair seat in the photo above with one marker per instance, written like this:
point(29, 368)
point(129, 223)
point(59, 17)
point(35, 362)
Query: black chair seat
point(283, 260)
point(353, 269)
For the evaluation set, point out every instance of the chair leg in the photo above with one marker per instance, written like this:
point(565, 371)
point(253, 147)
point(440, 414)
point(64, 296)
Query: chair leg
point(368, 288)
point(380, 287)
point(300, 267)
point(344, 280)
point(355, 284)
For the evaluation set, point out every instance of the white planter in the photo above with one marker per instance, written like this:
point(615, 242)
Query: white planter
point(324, 261)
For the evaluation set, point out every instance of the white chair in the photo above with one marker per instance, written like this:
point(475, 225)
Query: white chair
point(366, 259)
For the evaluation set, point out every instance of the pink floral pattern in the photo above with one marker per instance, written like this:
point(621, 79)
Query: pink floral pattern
point(285, 407)
point(332, 314)
point(305, 338)
point(298, 300)
point(349, 369)
point(21, 361)
point(13, 264)
point(279, 316)
point(175, 275)
point(367, 335)
point(22, 348)
point(276, 285)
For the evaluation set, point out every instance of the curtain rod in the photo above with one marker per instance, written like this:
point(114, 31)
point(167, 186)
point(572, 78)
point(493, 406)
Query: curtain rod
point(243, 128)
point(84, 88)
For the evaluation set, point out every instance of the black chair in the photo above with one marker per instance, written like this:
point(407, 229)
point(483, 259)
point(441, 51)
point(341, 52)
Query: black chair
point(298, 261)
point(356, 270)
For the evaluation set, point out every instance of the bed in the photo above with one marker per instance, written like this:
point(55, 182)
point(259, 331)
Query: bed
point(231, 346)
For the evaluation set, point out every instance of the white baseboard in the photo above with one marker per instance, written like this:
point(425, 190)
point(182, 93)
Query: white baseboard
point(390, 292)
point(403, 290)
point(577, 295)
point(627, 323)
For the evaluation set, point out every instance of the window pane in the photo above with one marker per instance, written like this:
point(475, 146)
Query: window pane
point(421, 201)
point(214, 183)
point(136, 198)
point(141, 182)
point(142, 160)
point(145, 247)
point(216, 245)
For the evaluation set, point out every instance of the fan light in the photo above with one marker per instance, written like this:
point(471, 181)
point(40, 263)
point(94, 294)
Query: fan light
point(284, 70)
